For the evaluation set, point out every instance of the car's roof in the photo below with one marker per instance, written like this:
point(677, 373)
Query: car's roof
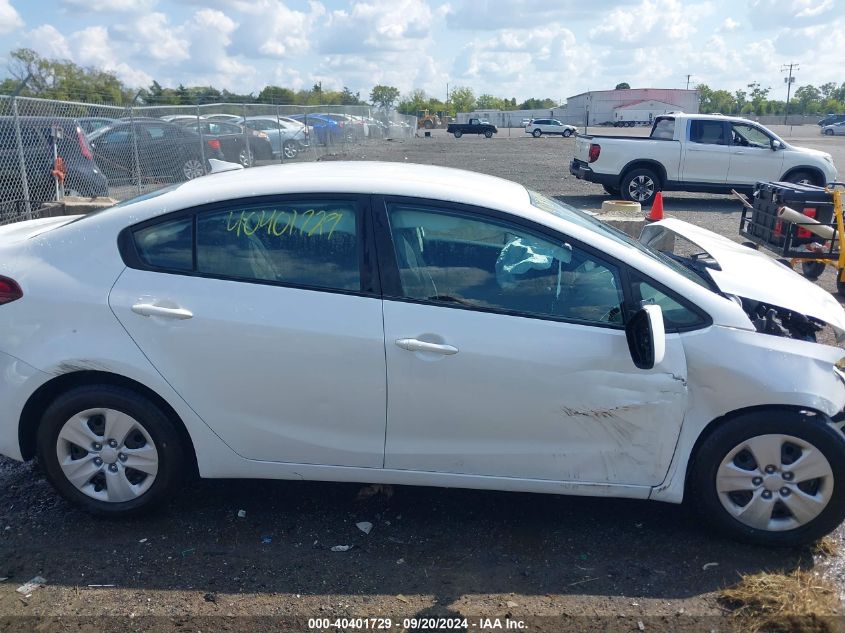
point(356, 177)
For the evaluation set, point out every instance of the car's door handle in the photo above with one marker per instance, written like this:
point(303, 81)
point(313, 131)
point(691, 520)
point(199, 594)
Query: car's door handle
point(149, 309)
point(414, 345)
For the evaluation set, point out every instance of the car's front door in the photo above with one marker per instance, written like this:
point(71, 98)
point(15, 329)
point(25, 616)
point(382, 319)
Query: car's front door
point(752, 156)
point(264, 315)
point(507, 355)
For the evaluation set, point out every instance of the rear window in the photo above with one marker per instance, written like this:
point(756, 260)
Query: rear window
point(663, 129)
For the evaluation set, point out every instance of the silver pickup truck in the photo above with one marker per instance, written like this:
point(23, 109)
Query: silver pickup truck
point(696, 152)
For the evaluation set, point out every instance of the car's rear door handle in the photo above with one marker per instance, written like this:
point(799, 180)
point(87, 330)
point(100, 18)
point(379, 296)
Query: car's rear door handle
point(415, 345)
point(150, 309)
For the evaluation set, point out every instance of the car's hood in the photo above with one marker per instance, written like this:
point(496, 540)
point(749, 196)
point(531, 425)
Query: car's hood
point(751, 274)
point(812, 152)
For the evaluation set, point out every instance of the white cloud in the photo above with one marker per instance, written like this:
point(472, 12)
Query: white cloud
point(109, 6)
point(651, 23)
point(377, 25)
point(10, 19)
point(775, 14)
point(268, 28)
point(151, 35)
point(487, 15)
point(48, 41)
point(729, 24)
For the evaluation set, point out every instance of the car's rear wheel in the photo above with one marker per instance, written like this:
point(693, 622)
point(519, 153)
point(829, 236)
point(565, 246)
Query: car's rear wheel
point(192, 168)
point(246, 157)
point(771, 477)
point(567, 133)
point(110, 450)
point(537, 133)
point(290, 149)
point(640, 185)
point(458, 134)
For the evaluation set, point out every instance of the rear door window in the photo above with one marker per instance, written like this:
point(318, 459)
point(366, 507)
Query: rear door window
point(663, 129)
point(707, 132)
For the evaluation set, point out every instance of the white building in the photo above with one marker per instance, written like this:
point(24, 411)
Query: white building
point(634, 104)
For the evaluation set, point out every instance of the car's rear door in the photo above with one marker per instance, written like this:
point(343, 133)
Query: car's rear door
point(707, 153)
point(507, 355)
point(270, 328)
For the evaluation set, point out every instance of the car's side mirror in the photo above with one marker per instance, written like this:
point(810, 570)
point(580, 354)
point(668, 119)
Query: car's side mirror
point(646, 337)
point(776, 145)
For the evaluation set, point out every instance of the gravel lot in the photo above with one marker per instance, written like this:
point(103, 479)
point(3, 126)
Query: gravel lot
point(545, 560)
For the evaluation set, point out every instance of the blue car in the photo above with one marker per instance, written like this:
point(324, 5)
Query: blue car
point(326, 130)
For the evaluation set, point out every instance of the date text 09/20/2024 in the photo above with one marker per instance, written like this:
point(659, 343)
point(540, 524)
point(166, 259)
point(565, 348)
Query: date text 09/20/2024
point(416, 624)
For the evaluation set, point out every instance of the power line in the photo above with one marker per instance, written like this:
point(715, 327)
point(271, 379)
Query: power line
point(789, 81)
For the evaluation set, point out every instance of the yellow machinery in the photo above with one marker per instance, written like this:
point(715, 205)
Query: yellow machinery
point(427, 121)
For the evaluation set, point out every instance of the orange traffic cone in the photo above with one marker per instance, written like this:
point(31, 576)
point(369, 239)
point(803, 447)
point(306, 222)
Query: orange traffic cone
point(656, 212)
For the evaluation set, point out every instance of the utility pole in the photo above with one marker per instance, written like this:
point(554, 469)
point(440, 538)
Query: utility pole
point(688, 78)
point(788, 81)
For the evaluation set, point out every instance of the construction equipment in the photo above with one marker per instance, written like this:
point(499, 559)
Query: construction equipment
point(426, 120)
point(812, 236)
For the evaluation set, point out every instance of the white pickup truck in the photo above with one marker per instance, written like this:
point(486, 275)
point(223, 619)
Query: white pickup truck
point(696, 152)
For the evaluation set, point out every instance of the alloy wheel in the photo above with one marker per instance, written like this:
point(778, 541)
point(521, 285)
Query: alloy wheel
point(193, 169)
point(641, 188)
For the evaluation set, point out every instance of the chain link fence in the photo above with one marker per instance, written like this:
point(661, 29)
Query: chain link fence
point(51, 149)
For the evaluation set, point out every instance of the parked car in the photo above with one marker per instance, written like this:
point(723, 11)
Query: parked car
point(696, 152)
point(473, 126)
point(83, 175)
point(231, 118)
point(166, 152)
point(92, 123)
point(233, 142)
point(834, 129)
point(327, 131)
point(831, 119)
point(631, 373)
point(538, 127)
point(285, 135)
point(181, 119)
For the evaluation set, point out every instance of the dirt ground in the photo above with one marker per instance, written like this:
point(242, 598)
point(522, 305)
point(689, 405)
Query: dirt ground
point(527, 562)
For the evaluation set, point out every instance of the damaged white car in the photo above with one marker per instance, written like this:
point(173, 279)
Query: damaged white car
point(390, 323)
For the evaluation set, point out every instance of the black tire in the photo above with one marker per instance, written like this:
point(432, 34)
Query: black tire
point(170, 452)
point(613, 191)
point(812, 270)
point(428, 124)
point(812, 429)
point(567, 133)
point(537, 133)
point(488, 134)
point(458, 133)
point(640, 185)
point(802, 177)
point(828, 132)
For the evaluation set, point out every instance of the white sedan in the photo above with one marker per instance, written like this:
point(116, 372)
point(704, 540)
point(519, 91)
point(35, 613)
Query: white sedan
point(392, 323)
point(538, 127)
point(834, 129)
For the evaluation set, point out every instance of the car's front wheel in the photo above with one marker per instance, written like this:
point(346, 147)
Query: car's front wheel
point(488, 134)
point(829, 132)
point(567, 133)
point(458, 134)
point(110, 450)
point(192, 168)
point(771, 477)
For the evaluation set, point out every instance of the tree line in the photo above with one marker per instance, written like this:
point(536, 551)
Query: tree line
point(67, 81)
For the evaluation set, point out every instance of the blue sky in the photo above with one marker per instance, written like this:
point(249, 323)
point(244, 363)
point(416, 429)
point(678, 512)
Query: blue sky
point(510, 48)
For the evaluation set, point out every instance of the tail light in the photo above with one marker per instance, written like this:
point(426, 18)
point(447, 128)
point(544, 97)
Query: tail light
point(261, 135)
point(83, 144)
point(9, 290)
point(213, 143)
point(595, 152)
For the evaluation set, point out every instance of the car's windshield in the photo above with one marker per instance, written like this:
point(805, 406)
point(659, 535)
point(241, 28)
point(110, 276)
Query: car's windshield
point(585, 220)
